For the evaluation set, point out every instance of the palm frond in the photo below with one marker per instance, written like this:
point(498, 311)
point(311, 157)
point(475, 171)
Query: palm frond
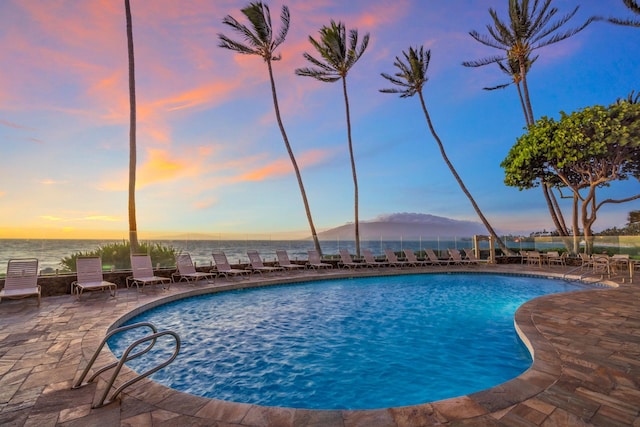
point(257, 39)
point(338, 54)
point(485, 61)
point(413, 72)
point(502, 86)
point(285, 21)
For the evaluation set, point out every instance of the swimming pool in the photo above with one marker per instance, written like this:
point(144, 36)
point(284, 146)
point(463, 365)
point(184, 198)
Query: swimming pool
point(360, 343)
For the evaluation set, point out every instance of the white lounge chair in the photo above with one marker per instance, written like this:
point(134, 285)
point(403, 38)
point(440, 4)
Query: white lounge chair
point(456, 257)
point(346, 261)
point(393, 260)
point(89, 277)
point(21, 280)
point(413, 259)
point(473, 259)
point(315, 261)
point(223, 268)
point(371, 261)
point(186, 270)
point(284, 262)
point(143, 273)
point(434, 259)
point(257, 266)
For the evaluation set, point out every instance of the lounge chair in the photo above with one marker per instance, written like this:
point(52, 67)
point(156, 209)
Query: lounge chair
point(413, 259)
point(470, 255)
point(283, 261)
point(21, 280)
point(223, 268)
point(143, 273)
point(371, 261)
point(346, 261)
point(456, 257)
point(90, 278)
point(315, 261)
point(186, 270)
point(435, 260)
point(257, 266)
point(393, 260)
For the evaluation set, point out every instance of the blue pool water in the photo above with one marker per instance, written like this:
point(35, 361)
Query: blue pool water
point(348, 344)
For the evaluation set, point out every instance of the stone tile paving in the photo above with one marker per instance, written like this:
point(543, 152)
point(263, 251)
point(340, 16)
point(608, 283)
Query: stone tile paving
point(586, 369)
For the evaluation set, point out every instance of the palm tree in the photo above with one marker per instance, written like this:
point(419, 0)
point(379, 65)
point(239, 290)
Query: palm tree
point(133, 228)
point(528, 29)
point(338, 60)
point(632, 5)
point(261, 41)
point(411, 78)
point(512, 69)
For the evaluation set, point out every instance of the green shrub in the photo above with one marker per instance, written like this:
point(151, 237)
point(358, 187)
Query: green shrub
point(116, 256)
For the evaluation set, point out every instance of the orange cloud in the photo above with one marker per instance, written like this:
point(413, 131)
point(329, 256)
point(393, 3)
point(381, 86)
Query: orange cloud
point(283, 166)
point(99, 218)
point(160, 166)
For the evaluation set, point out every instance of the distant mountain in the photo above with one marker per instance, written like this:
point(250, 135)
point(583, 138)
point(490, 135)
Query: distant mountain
point(406, 225)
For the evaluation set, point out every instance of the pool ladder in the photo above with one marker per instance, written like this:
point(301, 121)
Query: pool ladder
point(126, 356)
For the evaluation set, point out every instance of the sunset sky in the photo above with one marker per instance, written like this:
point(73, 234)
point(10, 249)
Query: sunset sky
point(210, 155)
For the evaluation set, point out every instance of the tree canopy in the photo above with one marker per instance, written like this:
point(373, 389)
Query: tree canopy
point(583, 151)
point(594, 145)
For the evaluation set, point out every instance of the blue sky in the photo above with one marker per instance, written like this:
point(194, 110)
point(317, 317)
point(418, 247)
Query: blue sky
point(210, 156)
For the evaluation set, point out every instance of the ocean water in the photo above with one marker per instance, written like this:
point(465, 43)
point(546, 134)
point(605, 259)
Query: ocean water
point(50, 251)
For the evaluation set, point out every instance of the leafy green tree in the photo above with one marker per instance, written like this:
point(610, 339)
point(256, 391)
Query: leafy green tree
point(632, 5)
point(410, 79)
point(337, 60)
point(133, 227)
point(582, 152)
point(529, 27)
point(261, 41)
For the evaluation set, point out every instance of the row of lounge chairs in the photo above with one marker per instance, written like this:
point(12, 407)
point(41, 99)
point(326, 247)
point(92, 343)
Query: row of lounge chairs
point(410, 259)
point(22, 274)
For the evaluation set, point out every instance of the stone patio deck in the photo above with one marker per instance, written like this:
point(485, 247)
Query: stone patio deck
point(586, 369)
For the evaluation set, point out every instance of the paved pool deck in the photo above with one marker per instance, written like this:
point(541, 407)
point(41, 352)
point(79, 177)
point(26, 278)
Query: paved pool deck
point(586, 369)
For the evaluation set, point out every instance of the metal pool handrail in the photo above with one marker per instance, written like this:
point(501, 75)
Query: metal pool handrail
point(126, 356)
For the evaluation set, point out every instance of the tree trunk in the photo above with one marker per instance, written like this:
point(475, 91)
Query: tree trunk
point(589, 203)
point(493, 234)
point(525, 89)
point(576, 226)
point(133, 228)
point(353, 167)
point(303, 193)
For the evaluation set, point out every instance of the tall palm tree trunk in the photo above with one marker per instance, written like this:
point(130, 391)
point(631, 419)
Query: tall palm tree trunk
point(484, 220)
point(133, 228)
point(353, 166)
point(552, 204)
point(316, 242)
point(524, 109)
point(525, 89)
